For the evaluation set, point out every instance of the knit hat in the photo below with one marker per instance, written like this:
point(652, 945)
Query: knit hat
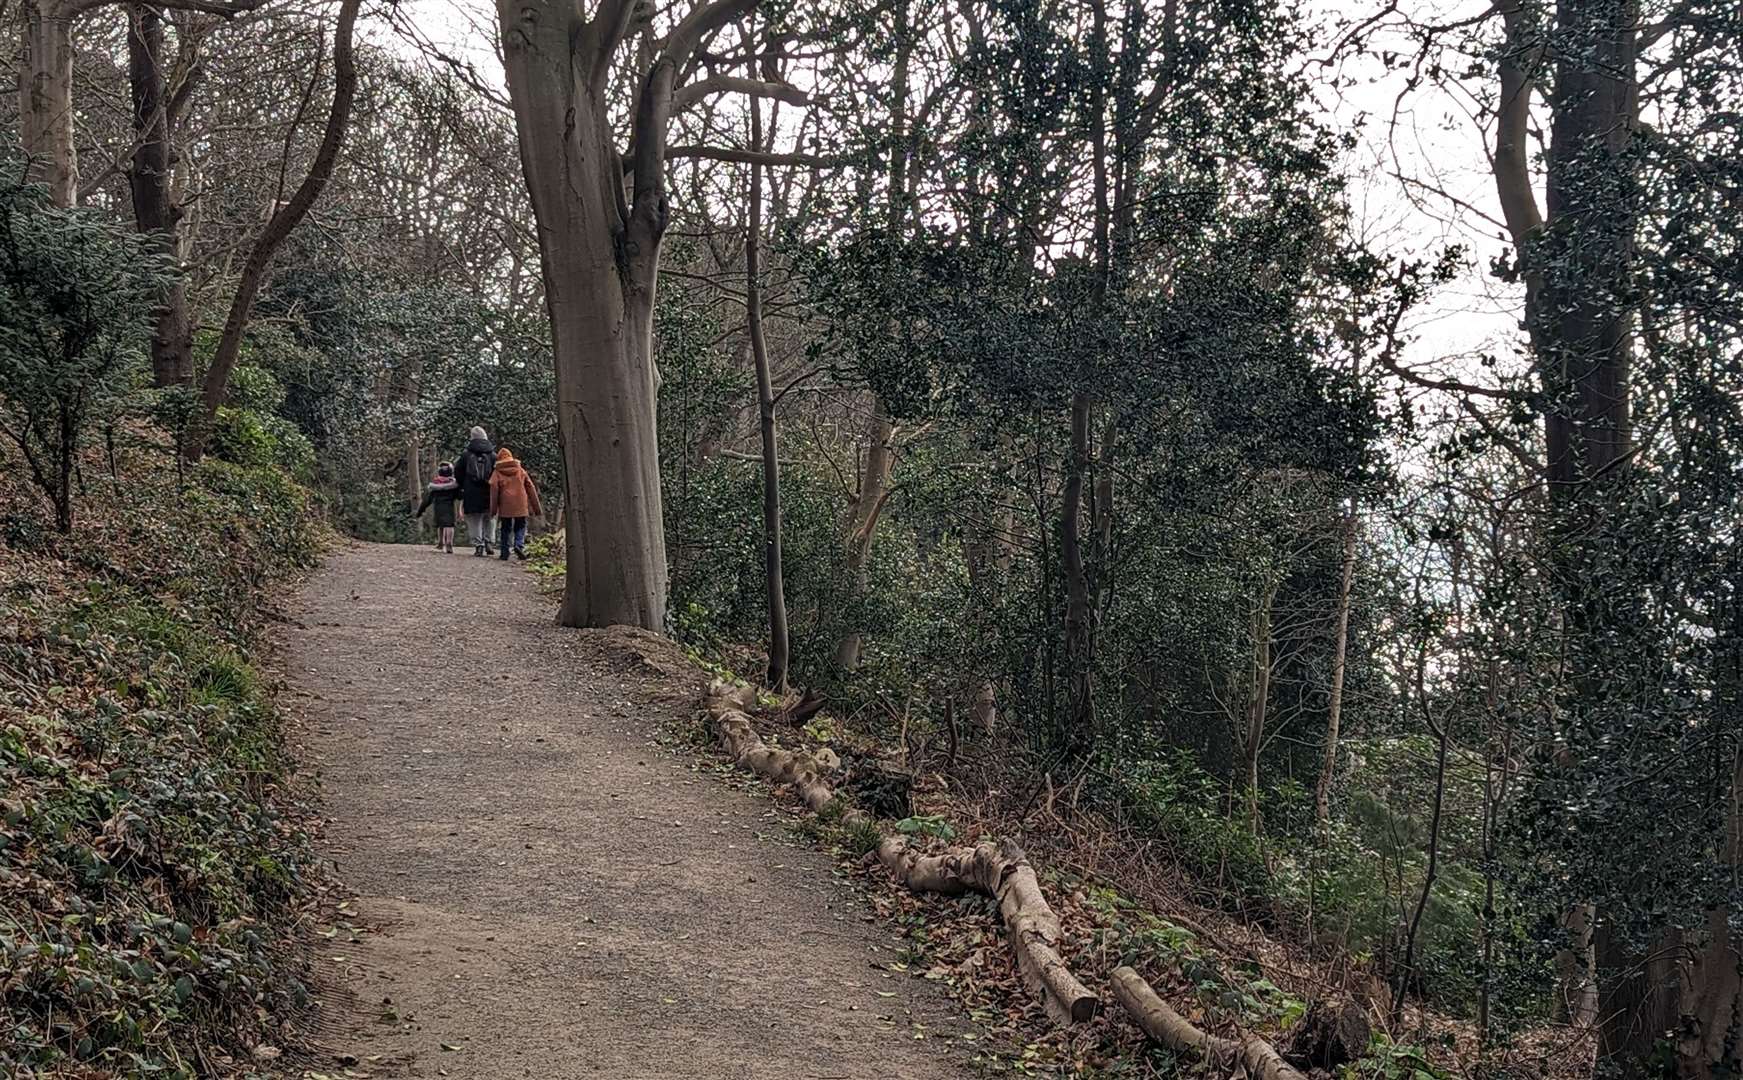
point(444, 469)
point(478, 433)
point(502, 454)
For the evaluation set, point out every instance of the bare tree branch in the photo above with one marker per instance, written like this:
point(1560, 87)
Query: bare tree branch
point(1512, 126)
point(703, 20)
point(746, 157)
point(225, 8)
point(733, 84)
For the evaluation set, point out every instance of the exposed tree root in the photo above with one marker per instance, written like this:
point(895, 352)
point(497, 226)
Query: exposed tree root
point(1000, 871)
point(1257, 1057)
point(1003, 872)
point(727, 707)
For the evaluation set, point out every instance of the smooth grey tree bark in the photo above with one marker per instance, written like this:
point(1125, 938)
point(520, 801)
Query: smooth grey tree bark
point(601, 216)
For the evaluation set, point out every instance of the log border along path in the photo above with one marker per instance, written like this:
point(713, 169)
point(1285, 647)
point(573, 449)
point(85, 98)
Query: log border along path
point(541, 890)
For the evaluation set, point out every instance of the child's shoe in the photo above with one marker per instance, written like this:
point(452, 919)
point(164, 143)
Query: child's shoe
point(478, 551)
point(450, 549)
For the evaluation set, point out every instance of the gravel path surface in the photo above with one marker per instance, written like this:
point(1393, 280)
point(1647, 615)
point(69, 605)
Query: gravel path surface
point(542, 890)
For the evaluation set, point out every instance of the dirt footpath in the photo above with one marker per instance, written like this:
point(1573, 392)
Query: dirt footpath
point(544, 892)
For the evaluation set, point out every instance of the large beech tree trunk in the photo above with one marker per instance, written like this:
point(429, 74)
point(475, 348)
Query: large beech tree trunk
point(599, 249)
point(150, 181)
point(599, 275)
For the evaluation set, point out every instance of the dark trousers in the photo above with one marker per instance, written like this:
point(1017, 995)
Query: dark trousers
point(513, 529)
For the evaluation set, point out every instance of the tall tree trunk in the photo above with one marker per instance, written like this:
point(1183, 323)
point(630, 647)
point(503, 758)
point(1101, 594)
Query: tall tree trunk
point(1079, 605)
point(1586, 309)
point(599, 250)
point(868, 507)
point(1584, 325)
point(278, 228)
point(1579, 317)
point(150, 179)
point(45, 98)
point(753, 309)
point(1080, 592)
point(1340, 653)
point(1712, 1047)
point(1258, 704)
point(1576, 967)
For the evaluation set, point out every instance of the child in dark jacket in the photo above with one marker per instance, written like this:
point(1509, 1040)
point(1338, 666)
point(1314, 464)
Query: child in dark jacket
point(441, 494)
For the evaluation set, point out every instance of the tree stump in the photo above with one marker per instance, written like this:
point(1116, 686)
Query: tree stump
point(882, 789)
point(1332, 1034)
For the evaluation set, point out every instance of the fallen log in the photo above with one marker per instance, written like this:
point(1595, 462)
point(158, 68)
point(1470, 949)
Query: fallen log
point(1002, 872)
point(739, 738)
point(1257, 1057)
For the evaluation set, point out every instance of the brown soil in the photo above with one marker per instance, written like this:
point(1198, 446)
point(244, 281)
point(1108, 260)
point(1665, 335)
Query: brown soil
point(542, 890)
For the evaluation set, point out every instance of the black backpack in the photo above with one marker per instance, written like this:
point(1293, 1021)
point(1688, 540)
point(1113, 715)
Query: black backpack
point(478, 466)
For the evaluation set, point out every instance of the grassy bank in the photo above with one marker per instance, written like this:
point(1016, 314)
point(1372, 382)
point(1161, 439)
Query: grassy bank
point(150, 855)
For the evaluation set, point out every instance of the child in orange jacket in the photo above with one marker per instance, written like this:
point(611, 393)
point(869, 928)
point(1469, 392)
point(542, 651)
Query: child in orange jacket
point(513, 498)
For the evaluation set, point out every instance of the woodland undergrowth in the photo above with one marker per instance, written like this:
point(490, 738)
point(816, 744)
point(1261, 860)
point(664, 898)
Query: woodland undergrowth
point(1127, 896)
point(152, 859)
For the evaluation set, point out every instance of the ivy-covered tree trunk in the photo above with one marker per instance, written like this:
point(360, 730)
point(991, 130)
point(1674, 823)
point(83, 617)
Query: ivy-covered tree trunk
point(1712, 1047)
point(1585, 342)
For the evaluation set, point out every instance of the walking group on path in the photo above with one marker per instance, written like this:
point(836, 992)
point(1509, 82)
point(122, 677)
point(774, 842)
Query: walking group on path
point(487, 483)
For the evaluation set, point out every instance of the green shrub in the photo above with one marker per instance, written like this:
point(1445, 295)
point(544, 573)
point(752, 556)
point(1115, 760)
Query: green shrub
point(1182, 804)
point(261, 440)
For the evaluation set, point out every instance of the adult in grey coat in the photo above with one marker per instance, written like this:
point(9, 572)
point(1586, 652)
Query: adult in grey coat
point(473, 468)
